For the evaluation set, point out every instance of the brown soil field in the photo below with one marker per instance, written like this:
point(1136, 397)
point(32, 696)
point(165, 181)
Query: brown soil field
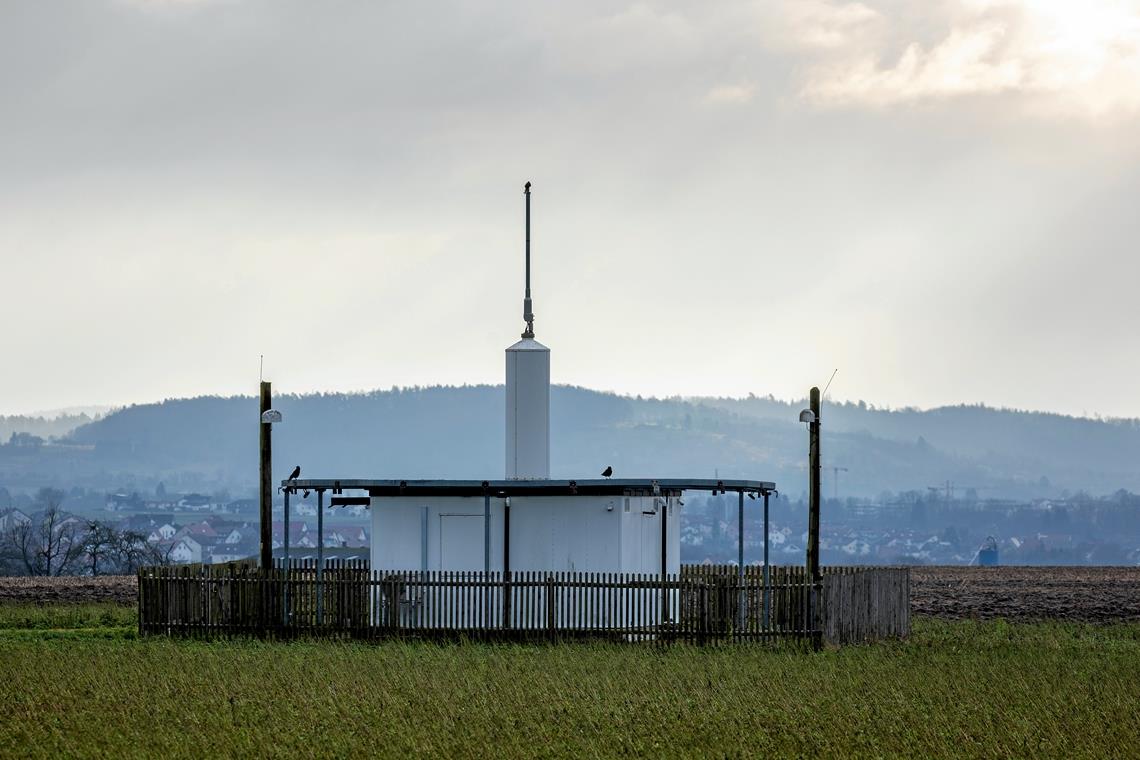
point(105, 588)
point(1093, 594)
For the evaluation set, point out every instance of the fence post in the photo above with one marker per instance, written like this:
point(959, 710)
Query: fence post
point(393, 604)
point(703, 613)
point(550, 621)
point(142, 600)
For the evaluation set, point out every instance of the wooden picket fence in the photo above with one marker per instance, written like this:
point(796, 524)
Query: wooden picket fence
point(700, 605)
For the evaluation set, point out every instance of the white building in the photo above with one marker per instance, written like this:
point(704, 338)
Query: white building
point(554, 525)
point(525, 522)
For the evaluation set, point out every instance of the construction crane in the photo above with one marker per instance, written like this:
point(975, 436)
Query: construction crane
point(947, 489)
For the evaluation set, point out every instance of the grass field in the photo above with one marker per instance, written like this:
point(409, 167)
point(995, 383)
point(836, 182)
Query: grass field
point(78, 682)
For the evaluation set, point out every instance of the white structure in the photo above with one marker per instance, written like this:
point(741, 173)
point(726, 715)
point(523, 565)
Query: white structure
point(528, 392)
point(582, 533)
point(526, 522)
point(528, 410)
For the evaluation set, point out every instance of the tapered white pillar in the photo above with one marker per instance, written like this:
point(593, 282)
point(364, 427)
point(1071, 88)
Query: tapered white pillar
point(528, 410)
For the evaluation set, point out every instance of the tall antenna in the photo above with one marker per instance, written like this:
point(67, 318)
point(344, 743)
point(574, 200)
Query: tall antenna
point(528, 315)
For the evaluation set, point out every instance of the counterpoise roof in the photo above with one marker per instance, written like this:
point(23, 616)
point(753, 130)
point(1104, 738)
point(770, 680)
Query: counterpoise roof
point(592, 487)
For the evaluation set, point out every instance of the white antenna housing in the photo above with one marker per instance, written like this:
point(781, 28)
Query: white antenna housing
point(528, 410)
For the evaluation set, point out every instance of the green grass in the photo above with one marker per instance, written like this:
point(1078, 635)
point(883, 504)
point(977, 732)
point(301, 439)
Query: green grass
point(20, 619)
point(952, 689)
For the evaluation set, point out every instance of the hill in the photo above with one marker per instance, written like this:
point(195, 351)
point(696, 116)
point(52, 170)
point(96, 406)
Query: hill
point(211, 443)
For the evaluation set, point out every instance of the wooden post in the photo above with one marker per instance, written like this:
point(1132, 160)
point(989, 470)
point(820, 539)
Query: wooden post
point(285, 552)
point(740, 563)
point(766, 577)
point(550, 620)
point(266, 503)
point(320, 556)
point(486, 531)
point(814, 576)
point(664, 507)
point(507, 562)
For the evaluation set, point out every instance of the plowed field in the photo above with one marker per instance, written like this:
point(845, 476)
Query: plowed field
point(122, 589)
point(1093, 594)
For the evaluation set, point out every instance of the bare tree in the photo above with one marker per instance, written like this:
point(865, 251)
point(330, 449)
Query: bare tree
point(49, 544)
point(100, 545)
point(109, 551)
point(132, 551)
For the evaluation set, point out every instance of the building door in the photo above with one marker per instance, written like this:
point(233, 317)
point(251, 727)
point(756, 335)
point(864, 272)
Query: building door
point(461, 542)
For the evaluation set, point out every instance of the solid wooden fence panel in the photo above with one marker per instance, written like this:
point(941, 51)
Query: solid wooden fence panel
point(865, 605)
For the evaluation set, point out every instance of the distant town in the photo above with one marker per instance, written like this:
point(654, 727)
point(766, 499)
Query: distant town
point(52, 532)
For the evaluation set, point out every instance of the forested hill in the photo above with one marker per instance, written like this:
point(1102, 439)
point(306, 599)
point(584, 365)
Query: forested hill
point(211, 443)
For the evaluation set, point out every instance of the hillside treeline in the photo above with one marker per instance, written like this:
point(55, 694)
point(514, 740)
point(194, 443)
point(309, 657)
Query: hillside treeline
point(211, 442)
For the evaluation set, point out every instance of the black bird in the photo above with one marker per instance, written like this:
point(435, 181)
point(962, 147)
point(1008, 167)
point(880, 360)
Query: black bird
point(296, 473)
point(607, 472)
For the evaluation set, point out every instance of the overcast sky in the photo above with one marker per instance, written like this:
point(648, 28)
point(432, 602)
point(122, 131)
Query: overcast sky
point(938, 198)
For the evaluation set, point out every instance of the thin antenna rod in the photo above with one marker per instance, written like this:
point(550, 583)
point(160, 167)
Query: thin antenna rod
point(829, 382)
point(261, 369)
point(528, 314)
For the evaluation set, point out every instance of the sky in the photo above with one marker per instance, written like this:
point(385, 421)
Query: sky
point(936, 198)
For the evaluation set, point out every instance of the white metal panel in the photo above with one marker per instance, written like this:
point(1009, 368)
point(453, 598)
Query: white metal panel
point(556, 533)
point(577, 533)
point(548, 533)
point(460, 542)
point(395, 536)
point(528, 410)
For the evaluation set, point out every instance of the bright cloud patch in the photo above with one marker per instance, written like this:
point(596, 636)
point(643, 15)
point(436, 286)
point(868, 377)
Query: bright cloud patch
point(1071, 57)
point(731, 94)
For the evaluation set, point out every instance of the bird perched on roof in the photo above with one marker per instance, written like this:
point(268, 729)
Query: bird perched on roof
point(607, 472)
point(296, 473)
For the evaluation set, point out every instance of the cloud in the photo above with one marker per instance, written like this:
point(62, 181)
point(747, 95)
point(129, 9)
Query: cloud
point(819, 24)
point(968, 62)
point(731, 94)
point(335, 177)
point(1063, 58)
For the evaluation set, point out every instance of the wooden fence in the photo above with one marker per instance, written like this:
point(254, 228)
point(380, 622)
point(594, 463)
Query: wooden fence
point(859, 605)
point(701, 605)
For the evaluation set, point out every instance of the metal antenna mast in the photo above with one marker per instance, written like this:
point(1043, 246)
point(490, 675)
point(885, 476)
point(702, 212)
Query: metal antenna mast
point(528, 315)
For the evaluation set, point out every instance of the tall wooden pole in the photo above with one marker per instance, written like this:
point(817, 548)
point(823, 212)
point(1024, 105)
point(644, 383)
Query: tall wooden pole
point(664, 507)
point(813, 488)
point(813, 518)
point(265, 511)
